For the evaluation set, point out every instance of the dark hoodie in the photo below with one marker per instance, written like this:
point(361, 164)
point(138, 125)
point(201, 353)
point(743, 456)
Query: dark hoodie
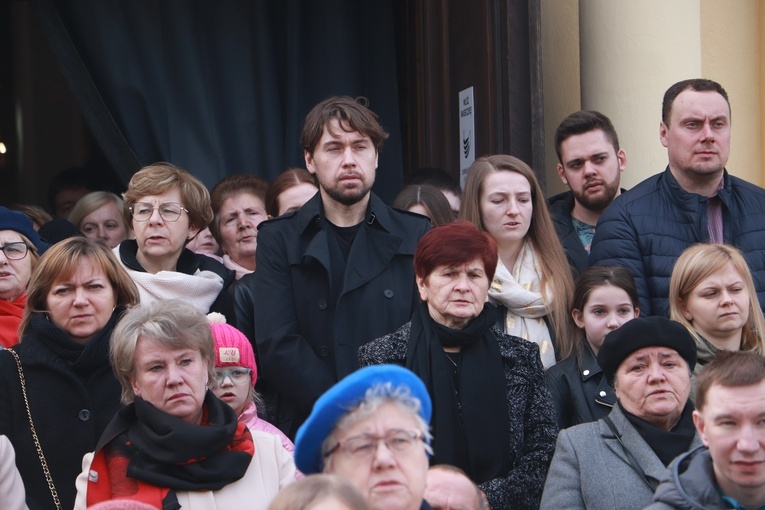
point(689, 483)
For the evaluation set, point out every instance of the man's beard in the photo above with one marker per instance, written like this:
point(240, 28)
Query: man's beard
point(601, 200)
point(347, 197)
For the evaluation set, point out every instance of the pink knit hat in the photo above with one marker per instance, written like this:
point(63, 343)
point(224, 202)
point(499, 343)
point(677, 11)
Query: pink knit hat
point(232, 348)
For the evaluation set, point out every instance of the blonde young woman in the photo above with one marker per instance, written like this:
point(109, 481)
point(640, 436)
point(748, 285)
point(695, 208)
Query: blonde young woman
point(712, 294)
point(99, 215)
point(532, 285)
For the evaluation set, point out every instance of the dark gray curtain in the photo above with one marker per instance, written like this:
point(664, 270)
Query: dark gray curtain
point(219, 87)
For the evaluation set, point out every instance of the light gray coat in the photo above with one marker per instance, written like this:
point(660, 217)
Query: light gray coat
point(590, 469)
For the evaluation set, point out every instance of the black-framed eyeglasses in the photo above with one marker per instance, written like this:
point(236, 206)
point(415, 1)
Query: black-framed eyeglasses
point(171, 211)
point(15, 251)
point(237, 375)
point(365, 445)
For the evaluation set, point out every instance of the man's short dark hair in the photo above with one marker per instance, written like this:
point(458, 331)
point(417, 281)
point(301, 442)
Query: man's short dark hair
point(352, 114)
point(733, 369)
point(697, 84)
point(581, 122)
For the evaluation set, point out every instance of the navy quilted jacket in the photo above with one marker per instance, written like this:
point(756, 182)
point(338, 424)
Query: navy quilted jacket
point(648, 227)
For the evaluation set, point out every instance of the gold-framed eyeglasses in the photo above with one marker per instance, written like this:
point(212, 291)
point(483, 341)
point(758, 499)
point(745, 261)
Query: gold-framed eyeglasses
point(15, 251)
point(171, 211)
point(237, 375)
point(365, 445)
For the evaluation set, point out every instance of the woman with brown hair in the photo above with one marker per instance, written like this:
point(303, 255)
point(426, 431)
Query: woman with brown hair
point(57, 389)
point(532, 286)
point(289, 191)
point(426, 200)
point(238, 204)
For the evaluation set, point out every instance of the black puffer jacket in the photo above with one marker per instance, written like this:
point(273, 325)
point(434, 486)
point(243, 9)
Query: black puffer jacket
point(647, 228)
point(689, 483)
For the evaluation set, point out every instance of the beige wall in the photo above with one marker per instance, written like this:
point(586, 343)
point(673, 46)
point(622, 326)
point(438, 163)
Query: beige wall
point(560, 75)
point(732, 55)
point(630, 52)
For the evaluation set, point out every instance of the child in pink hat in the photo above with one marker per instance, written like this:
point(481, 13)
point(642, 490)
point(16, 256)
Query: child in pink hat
point(236, 374)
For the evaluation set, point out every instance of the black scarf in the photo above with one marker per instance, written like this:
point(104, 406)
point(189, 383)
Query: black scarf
point(471, 426)
point(169, 452)
point(84, 359)
point(666, 444)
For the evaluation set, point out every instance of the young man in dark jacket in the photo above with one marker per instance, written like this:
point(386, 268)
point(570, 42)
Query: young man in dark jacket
point(729, 471)
point(590, 162)
point(336, 274)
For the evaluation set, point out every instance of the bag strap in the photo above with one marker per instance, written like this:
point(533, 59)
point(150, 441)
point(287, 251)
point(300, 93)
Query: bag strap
point(38, 446)
point(630, 458)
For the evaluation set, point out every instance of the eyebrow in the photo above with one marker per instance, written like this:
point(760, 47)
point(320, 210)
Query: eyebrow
point(662, 355)
point(338, 140)
point(584, 158)
point(595, 303)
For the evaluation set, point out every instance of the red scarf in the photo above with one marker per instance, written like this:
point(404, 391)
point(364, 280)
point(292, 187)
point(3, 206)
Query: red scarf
point(111, 464)
point(10, 319)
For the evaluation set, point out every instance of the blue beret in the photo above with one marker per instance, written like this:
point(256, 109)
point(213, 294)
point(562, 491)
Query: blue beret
point(643, 332)
point(15, 220)
point(343, 397)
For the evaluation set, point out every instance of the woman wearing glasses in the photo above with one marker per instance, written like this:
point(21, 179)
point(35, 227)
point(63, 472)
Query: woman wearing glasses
point(175, 444)
point(167, 207)
point(20, 249)
point(235, 376)
point(58, 378)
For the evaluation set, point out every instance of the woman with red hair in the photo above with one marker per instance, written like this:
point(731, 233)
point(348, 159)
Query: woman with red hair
point(492, 414)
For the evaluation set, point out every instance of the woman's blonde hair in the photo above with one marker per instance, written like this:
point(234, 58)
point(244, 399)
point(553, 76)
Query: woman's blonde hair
point(173, 323)
point(302, 494)
point(161, 177)
point(699, 262)
point(59, 263)
point(93, 201)
point(554, 267)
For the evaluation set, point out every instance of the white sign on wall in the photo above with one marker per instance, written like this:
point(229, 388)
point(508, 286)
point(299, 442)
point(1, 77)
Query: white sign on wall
point(467, 133)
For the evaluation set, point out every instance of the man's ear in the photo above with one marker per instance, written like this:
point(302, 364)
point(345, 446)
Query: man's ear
point(621, 156)
point(663, 131)
point(562, 174)
point(700, 424)
point(309, 162)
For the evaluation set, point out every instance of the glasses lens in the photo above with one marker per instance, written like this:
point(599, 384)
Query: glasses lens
point(170, 211)
point(141, 211)
point(397, 441)
point(15, 251)
point(400, 441)
point(237, 375)
point(360, 446)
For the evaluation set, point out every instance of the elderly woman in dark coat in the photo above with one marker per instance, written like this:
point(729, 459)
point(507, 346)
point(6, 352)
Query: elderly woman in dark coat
point(492, 414)
point(617, 461)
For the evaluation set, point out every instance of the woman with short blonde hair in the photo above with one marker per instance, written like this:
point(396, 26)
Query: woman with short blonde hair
point(99, 215)
point(712, 294)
